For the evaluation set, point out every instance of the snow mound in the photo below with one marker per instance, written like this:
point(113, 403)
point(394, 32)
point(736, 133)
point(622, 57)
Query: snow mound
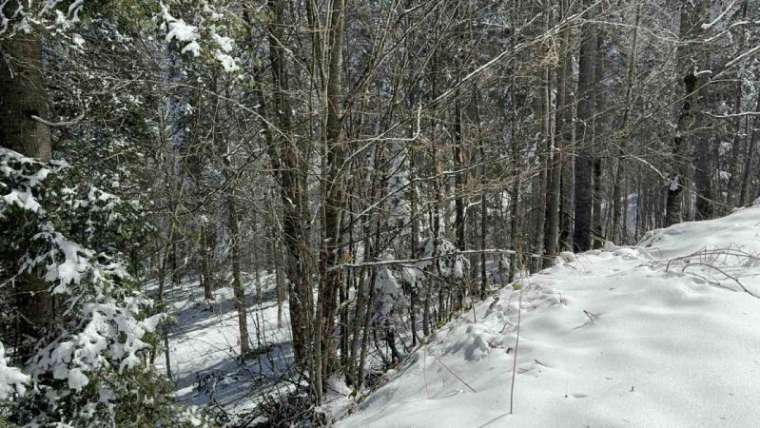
point(660, 335)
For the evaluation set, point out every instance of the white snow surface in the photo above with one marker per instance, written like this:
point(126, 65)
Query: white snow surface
point(613, 338)
point(205, 346)
point(12, 380)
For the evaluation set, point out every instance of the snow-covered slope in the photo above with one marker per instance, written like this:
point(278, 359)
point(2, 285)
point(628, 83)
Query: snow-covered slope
point(611, 339)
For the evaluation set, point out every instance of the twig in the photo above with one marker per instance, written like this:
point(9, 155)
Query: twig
point(727, 275)
point(456, 375)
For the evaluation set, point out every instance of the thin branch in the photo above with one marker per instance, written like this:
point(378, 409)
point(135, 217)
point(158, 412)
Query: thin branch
point(431, 258)
point(63, 124)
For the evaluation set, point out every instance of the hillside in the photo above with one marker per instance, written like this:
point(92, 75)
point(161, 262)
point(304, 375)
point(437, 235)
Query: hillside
point(664, 334)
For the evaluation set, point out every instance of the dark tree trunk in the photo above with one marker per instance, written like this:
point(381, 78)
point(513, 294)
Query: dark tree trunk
point(563, 135)
point(748, 161)
point(693, 14)
point(289, 162)
point(584, 197)
point(333, 195)
point(23, 95)
point(237, 281)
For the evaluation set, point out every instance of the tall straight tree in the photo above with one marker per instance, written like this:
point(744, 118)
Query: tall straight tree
point(584, 197)
point(23, 101)
point(619, 200)
point(333, 193)
point(690, 60)
point(561, 141)
point(600, 129)
point(288, 159)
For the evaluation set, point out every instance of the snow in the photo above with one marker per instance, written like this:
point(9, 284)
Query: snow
point(204, 346)
point(227, 62)
point(12, 380)
point(225, 43)
point(388, 295)
point(675, 181)
point(658, 335)
point(192, 47)
point(77, 379)
point(182, 31)
point(22, 199)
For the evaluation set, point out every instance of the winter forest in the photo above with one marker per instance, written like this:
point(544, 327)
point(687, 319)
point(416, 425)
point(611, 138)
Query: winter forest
point(424, 213)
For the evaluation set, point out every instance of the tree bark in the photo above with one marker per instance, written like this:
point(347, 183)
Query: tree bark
point(620, 200)
point(23, 94)
point(563, 135)
point(333, 193)
point(290, 163)
point(600, 129)
point(693, 14)
point(237, 282)
point(748, 161)
point(582, 240)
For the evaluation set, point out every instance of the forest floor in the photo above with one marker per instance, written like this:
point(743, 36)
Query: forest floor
point(664, 334)
point(205, 349)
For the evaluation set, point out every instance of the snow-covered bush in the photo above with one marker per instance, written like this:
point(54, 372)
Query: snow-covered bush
point(12, 380)
point(21, 16)
point(443, 258)
point(87, 366)
point(389, 297)
point(204, 37)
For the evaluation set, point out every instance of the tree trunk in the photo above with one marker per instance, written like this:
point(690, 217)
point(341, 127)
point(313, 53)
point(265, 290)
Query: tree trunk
point(746, 174)
point(600, 130)
point(620, 200)
point(23, 94)
point(289, 162)
point(514, 195)
point(563, 135)
point(734, 197)
point(237, 282)
point(693, 14)
point(333, 194)
point(582, 240)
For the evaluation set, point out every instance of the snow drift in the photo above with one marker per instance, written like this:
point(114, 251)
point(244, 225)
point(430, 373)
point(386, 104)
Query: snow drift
point(665, 334)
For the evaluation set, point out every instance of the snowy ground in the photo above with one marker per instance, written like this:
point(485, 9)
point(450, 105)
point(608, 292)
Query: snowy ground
point(611, 338)
point(205, 347)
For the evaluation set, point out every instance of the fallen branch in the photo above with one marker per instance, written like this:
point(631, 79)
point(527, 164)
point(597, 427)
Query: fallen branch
point(727, 275)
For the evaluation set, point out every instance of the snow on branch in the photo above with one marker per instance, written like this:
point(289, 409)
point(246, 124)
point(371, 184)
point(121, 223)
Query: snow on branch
point(708, 26)
point(432, 258)
point(193, 38)
point(12, 380)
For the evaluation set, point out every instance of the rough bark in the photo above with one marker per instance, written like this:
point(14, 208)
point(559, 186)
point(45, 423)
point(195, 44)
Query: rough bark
point(23, 94)
point(748, 160)
point(333, 193)
point(563, 135)
point(618, 230)
point(600, 129)
point(288, 160)
point(584, 135)
point(237, 282)
point(690, 60)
